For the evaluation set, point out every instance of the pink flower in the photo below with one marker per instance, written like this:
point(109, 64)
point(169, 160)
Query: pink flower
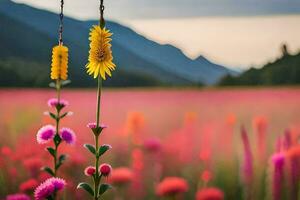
point(206, 176)
point(121, 175)
point(17, 197)
point(28, 185)
point(90, 171)
point(105, 169)
point(58, 183)
point(152, 144)
point(68, 135)
point(43, 191)
point(93, 125)
point(210, 194)
point(278, 175)
point(247, 167)
point(293, 156)
point(47, 188)
point(45, 134)
point(6, 151)
point(171, 186)
point(54, 103)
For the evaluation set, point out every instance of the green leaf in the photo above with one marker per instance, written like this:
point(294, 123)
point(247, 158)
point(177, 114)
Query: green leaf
point(62, 158)
point(51, 151)
point(103, 188)
point(52, 84)
point(48, 170)
point(66, 82)
point(63, 115)
point(91, 148)
point(53, 115)
point(104, 148)
point(86, 187)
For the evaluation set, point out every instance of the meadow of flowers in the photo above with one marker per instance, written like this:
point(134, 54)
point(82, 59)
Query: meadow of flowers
point(166, 144)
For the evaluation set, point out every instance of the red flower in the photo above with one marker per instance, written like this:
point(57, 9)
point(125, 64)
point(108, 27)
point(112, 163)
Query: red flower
point(206, 176)
point(105, 169)
point(28, 185)
point(210, 194)
point(171, 186)
point(90, 171)
point(121, 176)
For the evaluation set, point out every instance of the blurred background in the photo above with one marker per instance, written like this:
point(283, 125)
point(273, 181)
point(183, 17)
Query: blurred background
point(189, 75)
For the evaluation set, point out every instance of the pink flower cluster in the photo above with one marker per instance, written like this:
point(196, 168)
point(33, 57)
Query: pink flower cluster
point(47, 133)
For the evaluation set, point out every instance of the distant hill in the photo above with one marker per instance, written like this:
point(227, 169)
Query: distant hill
point(29, 34)
point(284, 71)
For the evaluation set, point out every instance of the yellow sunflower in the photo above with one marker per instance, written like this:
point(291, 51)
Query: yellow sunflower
point(59, 66)
point(100, 54)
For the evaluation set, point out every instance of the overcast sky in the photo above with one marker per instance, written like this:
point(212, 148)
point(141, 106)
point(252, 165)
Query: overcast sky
point(171, 8)
point(236, 33)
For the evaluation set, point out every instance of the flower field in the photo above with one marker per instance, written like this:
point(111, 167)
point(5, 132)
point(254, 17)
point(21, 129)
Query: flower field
point(179, 144)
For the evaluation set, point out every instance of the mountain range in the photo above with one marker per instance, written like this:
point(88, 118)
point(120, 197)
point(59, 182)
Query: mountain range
point(27, 35)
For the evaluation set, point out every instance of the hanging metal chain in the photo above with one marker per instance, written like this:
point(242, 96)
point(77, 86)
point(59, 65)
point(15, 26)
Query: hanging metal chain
point(101, 8)
point(61, 17)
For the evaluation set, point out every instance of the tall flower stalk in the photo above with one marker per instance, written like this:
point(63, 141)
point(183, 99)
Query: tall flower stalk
point(247, 168)
point(48, 133)
point(100, 64)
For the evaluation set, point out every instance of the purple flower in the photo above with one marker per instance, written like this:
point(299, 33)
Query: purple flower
point(278, 175)
point(47, 188)
point(45, 134)
point(17, 197)
point(68, 135)
point(54, 103)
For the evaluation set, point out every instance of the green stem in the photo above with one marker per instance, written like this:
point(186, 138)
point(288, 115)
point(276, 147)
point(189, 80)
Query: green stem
point(97, 177)
point(98, 100)
point(58, 87)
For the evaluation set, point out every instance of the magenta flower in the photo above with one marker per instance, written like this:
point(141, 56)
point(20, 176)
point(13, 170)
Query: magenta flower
point(278, 175)
point(54, 103)
point(44, 191)
point(90, 171)
point(58, 183)
point(48, 188)
point(68, 135)
point(17, 197)
point(45, 134)
point(152, 144)
point(105, 169)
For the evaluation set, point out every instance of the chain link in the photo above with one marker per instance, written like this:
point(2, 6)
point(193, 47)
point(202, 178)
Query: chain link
point(101, 9)
point(61, 17)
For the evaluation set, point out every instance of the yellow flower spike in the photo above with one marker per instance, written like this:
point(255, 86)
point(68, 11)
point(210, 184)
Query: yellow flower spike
point(100, 54)
point(59, 66)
